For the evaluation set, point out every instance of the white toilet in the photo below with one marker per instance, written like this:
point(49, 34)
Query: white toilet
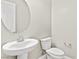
point(52, 53)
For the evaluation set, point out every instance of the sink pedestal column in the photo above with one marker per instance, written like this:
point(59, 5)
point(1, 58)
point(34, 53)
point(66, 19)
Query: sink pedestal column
point(23, 56)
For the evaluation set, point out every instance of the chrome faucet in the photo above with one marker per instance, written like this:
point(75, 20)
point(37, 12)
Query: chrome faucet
point(20, 39)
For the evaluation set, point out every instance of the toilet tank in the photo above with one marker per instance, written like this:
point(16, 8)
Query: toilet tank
point(46, 43)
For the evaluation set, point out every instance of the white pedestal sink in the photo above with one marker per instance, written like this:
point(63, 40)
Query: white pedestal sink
point(20, 49)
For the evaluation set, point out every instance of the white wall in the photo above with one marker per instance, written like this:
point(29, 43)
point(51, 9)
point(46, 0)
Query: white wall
point(64, 25)
point(39, 26)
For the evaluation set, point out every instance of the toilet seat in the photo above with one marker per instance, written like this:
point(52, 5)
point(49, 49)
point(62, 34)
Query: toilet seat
point(55, 53)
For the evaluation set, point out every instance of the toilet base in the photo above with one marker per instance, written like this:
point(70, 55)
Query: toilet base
point(65, 57)
point(49, 57)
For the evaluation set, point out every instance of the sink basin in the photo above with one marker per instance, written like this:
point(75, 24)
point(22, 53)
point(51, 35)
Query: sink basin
point(20, 48)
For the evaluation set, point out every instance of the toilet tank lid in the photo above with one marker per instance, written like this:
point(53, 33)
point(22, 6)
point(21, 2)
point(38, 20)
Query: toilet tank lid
point(46, 39)
point(55, 51)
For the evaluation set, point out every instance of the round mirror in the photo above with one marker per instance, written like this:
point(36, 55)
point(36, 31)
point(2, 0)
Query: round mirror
point(15, 16)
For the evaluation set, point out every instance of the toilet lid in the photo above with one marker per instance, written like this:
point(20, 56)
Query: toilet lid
point(55, 51)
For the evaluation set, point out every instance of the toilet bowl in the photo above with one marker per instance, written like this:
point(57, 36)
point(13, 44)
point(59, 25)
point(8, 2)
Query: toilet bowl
point(52, 53)
point(55, 53)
